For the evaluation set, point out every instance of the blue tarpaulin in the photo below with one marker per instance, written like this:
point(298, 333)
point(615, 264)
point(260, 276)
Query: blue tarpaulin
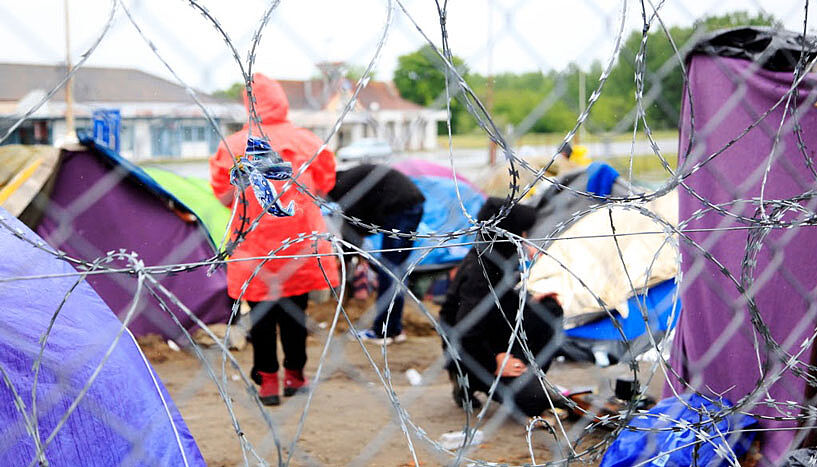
point(662, 311)
point(441, 213)
point(600, 178)
point(658, 444)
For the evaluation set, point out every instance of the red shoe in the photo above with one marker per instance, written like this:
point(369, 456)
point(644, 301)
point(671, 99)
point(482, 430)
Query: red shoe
point(268, 393)
point(294, 382)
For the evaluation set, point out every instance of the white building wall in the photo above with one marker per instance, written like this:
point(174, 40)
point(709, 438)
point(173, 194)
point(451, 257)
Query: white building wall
point(195, 149)
point(417, 134)
point(430, 139)
point(141, 140)
point(399, 136)
point(358, 131)
point(405, 130)
point(58, 131)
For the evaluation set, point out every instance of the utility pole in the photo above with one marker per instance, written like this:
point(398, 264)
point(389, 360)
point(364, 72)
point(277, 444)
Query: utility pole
point(582, 103)
point(70, 131)
point(489, 85)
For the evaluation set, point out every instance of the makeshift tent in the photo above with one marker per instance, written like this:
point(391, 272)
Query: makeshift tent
point(24, 171)
point(99, 202)
point(441, 213)
point(594, 257)
point(423, 168)
point(196, 194)
point(126, 416)
point(734, 78)
point(670, 434)
point(556, 204)
point(586, 247)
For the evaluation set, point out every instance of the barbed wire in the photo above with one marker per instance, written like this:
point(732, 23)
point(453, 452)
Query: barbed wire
point(777, 355)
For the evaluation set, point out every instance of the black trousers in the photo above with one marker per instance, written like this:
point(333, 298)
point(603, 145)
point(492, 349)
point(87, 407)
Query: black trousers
point(288, 314)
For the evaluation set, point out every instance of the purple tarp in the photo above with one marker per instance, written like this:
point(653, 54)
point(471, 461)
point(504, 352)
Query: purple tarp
point(98, 204)
point(713, 348)
point(126, 417)
point(423, 168)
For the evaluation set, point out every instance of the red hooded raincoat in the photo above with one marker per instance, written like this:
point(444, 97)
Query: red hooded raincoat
point(279, 277)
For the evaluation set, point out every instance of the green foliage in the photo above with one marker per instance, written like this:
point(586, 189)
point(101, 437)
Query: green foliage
point(419, 78)
point(664, 82)
point(355, 72)
point(232, 93)
point(608, 111)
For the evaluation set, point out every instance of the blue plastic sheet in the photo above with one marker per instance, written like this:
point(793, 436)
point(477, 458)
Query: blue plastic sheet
point(662, 314)
point(677, 448)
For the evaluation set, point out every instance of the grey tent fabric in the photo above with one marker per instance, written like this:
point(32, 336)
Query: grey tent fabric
point(773, 49)
point(556, 205)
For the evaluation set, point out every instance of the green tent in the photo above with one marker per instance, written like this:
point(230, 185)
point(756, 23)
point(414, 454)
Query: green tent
point(197, 195)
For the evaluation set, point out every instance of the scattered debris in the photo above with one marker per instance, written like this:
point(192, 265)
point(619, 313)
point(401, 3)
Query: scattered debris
point(238, 335)
point(454, 439)
point(414, 378)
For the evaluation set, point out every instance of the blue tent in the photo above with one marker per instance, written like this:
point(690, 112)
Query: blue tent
point(126, 416)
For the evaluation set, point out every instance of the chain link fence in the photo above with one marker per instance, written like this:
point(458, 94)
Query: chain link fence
point(607, 258)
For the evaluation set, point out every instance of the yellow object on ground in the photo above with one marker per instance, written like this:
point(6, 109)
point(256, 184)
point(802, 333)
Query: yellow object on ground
point(579, 156)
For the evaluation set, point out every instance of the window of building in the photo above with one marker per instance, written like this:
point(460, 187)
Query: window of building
point(193, 133)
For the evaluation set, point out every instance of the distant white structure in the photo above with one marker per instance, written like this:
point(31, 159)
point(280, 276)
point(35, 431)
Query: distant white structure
point(159, 119)
point(379, 112)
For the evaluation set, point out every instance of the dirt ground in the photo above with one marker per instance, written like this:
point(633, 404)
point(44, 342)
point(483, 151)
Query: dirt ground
point(350, 420)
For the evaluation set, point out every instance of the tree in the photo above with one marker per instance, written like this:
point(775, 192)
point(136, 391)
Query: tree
point(663, 78)
point(232, 93)
point(355, 72)
point(420, 78)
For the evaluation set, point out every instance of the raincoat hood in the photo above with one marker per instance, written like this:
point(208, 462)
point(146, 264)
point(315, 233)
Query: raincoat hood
point(270, 99)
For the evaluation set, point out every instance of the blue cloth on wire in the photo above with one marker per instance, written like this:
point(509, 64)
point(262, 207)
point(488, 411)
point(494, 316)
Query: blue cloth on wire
point(600, 178)
point(646, 447)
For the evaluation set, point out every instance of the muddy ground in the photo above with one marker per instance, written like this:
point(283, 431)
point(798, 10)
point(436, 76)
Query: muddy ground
point(350, 419)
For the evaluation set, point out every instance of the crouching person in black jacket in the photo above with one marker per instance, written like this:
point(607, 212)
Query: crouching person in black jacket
point(480, 313)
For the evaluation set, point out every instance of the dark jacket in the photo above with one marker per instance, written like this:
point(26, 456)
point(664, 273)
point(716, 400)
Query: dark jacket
point(484, 329)
point(373, 192)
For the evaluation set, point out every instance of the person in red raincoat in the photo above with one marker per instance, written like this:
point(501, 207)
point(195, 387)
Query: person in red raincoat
point(278, 294)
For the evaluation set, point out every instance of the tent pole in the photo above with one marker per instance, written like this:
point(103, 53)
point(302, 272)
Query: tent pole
point(70, 133)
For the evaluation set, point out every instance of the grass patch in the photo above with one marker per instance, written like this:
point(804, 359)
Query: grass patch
point(479, 140)
point(646, 167)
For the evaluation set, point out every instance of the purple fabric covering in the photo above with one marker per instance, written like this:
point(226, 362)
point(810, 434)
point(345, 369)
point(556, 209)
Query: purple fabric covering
point(96, 207)
point(713, 348)
point(126, 417)
point(421, 168)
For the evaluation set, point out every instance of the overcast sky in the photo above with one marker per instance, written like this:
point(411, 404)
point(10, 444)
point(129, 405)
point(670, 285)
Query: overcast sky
point(527, 35)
